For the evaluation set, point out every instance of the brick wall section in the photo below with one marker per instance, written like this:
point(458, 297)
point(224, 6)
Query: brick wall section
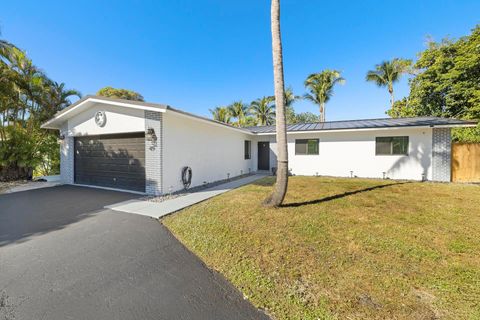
point(154, 153)
point(441, 154)
point(66, 156)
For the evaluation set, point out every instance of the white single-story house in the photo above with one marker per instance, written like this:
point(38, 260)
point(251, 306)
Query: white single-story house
point(144, 147)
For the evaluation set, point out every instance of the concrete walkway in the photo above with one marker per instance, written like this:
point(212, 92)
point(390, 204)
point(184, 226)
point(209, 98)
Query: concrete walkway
point(31, 185)
point(160, 209)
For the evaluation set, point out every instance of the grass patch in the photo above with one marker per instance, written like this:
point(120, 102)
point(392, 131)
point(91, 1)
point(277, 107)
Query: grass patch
point(345, 248)
point(5, 186)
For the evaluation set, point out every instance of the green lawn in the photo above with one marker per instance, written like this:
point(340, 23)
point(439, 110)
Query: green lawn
point(345, 248)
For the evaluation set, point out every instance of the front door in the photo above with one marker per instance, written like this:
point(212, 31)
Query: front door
point(264, 155)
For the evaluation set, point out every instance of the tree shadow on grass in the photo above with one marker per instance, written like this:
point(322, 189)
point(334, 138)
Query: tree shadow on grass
point(338, 196)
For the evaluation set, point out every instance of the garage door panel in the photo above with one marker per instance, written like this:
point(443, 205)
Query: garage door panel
point(107, 169)
point(96, 161)
point(108, 181)
point(101, 152)
point(115, 161)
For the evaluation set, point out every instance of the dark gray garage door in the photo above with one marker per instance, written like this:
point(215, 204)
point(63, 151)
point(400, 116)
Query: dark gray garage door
point(115, 161)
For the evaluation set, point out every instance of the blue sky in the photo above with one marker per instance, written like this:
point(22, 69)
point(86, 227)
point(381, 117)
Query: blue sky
point(198, 54)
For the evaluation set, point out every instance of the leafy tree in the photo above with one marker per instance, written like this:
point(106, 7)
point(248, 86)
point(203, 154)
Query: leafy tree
point(239, 111)
point(250, 121)
point(280, 188)
point(306, 117)
point(401, 109)
point(448, 83)
point(221, 114)
point(27, 98)
point(263, 110)
point(321, 87)
point(120, 94)
point(387, 73)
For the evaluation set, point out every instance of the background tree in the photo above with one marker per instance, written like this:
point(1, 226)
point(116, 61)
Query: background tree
point(280, 188)
point(239, 111)
point(448, 83)
point(387, 73)
point(320, 87)
point(263, 111)
point(221, 114)
point(305, 117)
point(120, 94)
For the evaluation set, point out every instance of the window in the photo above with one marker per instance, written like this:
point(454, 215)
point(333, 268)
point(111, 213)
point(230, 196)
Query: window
point(306, 146)
point(391, 146)
point(248, 149)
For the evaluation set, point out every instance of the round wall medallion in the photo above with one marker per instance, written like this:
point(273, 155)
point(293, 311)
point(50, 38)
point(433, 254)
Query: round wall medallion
point(100, 118)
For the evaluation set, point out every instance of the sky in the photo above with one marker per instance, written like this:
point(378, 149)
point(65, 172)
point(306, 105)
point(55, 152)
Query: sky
point(199, 54)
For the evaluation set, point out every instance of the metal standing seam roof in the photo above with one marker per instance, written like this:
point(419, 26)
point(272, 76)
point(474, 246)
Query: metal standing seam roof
point(317, 126)
point(367, 124)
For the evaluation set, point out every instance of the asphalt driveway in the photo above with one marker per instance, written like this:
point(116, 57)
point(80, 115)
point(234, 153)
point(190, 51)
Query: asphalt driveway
point(62, 256)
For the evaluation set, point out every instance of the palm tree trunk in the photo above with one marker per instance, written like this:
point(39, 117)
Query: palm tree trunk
point(322, 112)
point(280, 189)
point(392, 98)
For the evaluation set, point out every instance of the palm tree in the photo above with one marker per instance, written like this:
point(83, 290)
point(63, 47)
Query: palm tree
point(290, 98)
point(263, 110)
point(59, 96)
point(321, 86)
point(56, 98)
point(280, 189)
point(239, 110)
point(221, 114)
point(387, 73)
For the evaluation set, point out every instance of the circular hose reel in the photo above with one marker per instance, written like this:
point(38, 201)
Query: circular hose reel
point(186, 177)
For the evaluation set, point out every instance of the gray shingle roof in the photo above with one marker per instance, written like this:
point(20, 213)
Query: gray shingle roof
point(366, 124)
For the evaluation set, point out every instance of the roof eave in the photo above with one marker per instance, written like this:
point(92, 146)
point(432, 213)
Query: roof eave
point(63, 115)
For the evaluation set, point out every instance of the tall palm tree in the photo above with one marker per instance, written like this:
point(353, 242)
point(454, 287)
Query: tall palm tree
point(280, 189)
point(263, 110)
point(239, 110)
point(221, 114)
point(290, 99)
point(387, 73)
point(321, 86)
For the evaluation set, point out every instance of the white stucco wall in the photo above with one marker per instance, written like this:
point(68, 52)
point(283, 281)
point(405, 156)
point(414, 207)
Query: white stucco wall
point(342, 152)
point(211, 151)
point(119, 120)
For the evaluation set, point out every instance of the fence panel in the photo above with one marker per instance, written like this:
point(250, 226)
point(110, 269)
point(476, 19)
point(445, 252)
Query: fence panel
point(466, 162)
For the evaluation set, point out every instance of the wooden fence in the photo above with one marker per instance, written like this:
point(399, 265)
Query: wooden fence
point(466, 162)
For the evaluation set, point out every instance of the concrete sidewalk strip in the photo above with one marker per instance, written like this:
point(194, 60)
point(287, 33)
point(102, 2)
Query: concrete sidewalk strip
point(33, 185)
point(160, 209)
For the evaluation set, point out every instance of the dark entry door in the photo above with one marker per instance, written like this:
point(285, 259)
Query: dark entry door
point(115, 161)
point(264, 156)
